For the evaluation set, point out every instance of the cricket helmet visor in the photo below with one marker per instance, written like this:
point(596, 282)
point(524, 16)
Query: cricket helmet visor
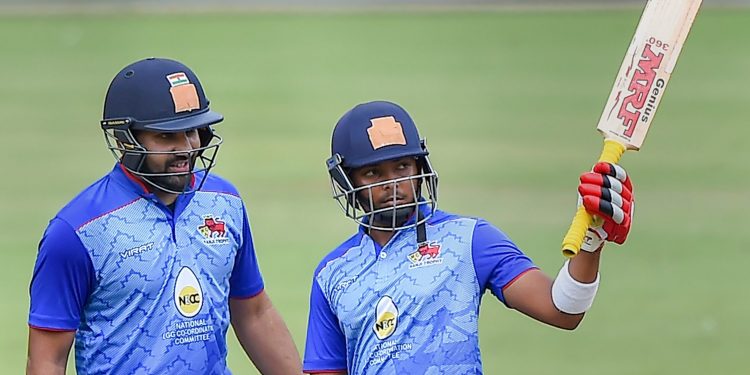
point(165, 96)
point(371, 133)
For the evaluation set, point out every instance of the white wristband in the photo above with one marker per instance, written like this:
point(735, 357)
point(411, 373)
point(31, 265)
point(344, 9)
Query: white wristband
point(571, 296)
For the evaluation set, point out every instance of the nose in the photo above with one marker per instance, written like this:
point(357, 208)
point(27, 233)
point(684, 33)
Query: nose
point(392, 185)
point(184, 142)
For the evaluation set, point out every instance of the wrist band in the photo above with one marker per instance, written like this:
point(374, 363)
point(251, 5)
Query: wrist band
point(571, 296)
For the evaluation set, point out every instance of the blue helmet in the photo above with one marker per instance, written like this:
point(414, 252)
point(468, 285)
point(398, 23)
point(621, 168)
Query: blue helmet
point(372, 133)
point(159, 95)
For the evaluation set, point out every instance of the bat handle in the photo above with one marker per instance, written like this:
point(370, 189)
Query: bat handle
point(571, 245)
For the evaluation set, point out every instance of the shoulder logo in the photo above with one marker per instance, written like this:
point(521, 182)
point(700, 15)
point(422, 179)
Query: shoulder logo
point(427, 254)
point(343, 284)
point(137, 250)
point(188, 295)
point(386, 318)
point(213, 230)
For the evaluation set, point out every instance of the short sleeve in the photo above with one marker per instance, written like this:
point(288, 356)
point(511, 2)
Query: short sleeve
point(246, 280)
point(325, 348)
point(62, 280)
point(497, 260)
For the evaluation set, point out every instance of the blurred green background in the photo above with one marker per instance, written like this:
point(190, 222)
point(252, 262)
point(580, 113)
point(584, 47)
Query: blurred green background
point(508, 100)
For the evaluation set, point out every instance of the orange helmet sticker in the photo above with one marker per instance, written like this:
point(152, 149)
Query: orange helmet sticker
point(385, 131)
point(185, 98)
point(183, 92)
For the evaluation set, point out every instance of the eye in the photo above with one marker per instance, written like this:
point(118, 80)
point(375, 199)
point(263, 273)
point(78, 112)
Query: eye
point(369, 173)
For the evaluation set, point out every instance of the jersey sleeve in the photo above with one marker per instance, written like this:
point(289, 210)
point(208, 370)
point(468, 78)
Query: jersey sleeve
point(63, 278)
point(497, 260)
point(246, 280)
point(325, 348)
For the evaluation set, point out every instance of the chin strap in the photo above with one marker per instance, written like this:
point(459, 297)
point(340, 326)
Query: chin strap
point(421, 231)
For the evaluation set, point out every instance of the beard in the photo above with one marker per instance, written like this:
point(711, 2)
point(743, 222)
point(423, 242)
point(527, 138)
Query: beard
point(397, 216)
point(390, 215)
point(169, 183)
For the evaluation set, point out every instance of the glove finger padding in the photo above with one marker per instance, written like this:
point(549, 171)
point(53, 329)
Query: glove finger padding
point(607, 192)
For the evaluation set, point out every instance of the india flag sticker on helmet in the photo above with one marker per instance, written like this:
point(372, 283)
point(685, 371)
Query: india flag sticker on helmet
point(184, 94)
point(176, 79)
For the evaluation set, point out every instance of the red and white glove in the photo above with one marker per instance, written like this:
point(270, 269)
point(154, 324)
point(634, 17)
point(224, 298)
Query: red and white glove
point(607, 193)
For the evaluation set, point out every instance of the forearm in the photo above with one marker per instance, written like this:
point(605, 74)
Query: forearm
point(48, 351)
point(585, 266)
point(40, 367)
point(266, 340)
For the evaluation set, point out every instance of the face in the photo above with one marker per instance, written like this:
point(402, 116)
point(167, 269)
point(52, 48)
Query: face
point(387, 194)
point(170, 153)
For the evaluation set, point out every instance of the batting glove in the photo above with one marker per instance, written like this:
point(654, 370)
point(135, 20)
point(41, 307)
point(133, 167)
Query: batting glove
point(607, 193)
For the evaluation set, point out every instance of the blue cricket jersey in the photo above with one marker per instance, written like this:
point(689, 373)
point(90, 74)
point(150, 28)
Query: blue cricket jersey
point(146, 289)
point(406, 310)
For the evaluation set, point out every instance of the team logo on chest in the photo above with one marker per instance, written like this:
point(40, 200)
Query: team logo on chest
point(188, 294)
point(386, 318)
point(213, 230)
point(427, 254)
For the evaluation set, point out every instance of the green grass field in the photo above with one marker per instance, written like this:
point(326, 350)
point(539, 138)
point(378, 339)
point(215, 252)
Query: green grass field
point(508, 102)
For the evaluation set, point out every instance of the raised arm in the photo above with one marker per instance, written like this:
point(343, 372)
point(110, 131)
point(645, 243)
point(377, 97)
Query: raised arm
point(531, 293)
point(606, 192)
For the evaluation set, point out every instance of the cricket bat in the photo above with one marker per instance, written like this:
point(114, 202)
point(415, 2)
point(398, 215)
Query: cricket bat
point(638, 89)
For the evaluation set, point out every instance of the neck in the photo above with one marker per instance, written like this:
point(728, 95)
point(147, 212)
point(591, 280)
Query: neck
point(381, 236)
point(164, 197)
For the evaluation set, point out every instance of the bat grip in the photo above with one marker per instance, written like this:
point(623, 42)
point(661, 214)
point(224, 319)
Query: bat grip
point(571, 245)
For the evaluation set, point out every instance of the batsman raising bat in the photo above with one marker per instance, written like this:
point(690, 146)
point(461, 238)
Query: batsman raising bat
point(402, 295)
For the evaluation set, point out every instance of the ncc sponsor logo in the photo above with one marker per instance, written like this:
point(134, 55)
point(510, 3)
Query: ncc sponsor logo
point(386, 318)
point(213, 230)
point(427, 254)
point(188, 294)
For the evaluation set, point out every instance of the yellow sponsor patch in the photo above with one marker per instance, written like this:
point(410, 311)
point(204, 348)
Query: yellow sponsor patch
point(188, 295)
point(386, 318)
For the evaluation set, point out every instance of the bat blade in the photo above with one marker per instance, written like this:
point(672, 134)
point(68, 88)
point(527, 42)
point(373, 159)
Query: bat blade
point(645, 71)
point(638, 89)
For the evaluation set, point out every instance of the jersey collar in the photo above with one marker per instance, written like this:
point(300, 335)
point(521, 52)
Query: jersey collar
point(134, 184)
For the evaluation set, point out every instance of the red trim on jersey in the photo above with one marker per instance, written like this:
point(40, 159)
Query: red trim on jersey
point(134, 179)
point(108, 212)
point(51, 329)
point(518, 277)
point(250, 296)
point(221, 192)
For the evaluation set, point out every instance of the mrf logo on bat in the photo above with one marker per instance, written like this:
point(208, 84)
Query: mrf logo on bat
point(644, 89)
